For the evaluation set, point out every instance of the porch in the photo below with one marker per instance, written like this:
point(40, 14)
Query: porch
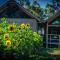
point(53, 36)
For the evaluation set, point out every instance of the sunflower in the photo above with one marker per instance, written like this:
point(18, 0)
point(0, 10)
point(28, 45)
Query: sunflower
point(27, 26)
point(11, 28)
point(6, 36)
point(8, 43)
point(22, 26)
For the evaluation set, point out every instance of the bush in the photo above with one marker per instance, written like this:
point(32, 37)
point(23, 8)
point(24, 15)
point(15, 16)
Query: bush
point(18, 40)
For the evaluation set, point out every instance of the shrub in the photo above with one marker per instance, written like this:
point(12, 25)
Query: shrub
point(18, 39)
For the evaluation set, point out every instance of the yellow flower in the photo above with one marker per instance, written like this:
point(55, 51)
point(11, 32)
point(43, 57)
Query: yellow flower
point(11, 28)
point(6, 36)
point(27, 26)
point(22, 26)
point(8, 43)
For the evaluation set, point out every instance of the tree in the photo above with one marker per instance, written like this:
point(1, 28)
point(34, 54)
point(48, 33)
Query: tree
point(56, 4)
point(24, 2)
point(34, 7)
point(50, 10)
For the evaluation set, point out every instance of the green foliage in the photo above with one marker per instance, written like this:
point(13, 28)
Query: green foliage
point(20, 39)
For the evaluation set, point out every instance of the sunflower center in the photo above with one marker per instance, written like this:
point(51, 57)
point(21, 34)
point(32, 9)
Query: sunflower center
point(11, 28)
point(8, 43)
point(6, 37)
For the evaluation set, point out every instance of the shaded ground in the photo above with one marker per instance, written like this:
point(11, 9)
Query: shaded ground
point(43, 54)
point(50, 53)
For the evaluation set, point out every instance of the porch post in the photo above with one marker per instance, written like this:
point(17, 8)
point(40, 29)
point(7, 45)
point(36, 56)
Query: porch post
point(47, 36)
point(59, 42)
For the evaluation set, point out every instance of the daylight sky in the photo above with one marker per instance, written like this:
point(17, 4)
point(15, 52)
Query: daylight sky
point(42, 2)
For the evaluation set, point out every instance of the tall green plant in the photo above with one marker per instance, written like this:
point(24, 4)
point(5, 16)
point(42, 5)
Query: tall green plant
point(20, 39)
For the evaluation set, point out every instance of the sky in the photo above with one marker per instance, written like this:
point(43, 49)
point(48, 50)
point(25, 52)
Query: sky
point(42, 2)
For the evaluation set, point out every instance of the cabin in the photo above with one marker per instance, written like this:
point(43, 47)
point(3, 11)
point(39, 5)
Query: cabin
point(14, 12)
point(52, 31)
point(49, 29)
